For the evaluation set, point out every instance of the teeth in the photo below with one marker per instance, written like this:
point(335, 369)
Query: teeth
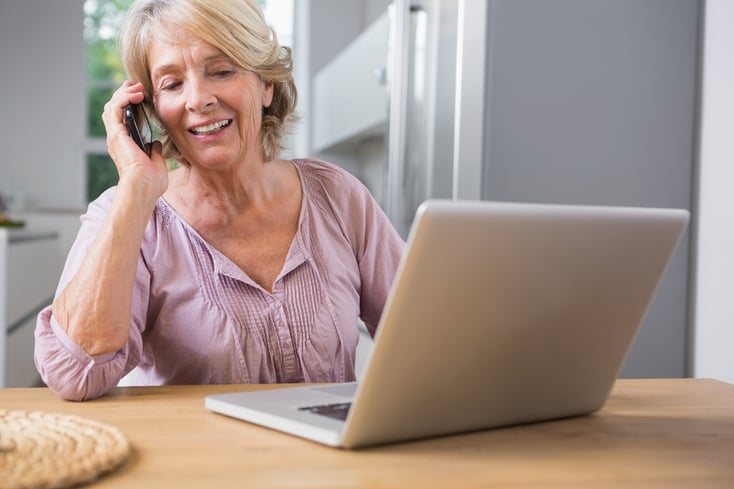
point(210, 128)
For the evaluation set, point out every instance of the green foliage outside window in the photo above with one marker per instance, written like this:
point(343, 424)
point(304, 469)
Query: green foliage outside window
point(102, 19)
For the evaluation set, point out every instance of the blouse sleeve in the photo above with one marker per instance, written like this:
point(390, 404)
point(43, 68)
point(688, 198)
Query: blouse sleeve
point(63, 365)
point(377, 247)
point(378, 260)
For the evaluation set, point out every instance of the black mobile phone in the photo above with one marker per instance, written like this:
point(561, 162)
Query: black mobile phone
point(133, 129)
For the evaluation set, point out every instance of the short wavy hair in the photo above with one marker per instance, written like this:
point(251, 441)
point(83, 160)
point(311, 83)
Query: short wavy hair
point(239, 30)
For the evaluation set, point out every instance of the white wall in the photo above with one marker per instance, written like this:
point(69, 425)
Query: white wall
point(42, 99)
point(714, 266)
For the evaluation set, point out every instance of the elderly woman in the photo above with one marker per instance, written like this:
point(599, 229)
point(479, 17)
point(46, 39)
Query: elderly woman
point(237, 267)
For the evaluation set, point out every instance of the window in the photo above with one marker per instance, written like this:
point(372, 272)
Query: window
point(102, 19)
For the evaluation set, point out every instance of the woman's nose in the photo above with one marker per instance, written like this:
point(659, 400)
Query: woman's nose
point(199, 95)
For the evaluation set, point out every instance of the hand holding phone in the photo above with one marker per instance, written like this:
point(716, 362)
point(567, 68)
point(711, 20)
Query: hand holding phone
point(133, 129)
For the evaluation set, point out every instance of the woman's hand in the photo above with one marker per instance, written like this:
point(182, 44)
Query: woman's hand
point(148, 176)
point(95, 307)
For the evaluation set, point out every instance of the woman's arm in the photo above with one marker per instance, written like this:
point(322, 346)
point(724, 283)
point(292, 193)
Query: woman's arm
point(94, 308)
point(63, 365)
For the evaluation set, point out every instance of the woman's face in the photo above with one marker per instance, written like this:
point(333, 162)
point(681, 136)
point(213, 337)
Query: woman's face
point(210, 107)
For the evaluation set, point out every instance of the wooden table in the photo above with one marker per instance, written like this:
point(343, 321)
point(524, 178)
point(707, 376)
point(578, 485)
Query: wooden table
point(652, 433)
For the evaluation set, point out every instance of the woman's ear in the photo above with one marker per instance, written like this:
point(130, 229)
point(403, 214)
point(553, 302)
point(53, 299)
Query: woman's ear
point(267, 95)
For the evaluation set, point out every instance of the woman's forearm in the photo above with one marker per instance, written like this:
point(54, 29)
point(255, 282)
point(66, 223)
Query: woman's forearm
point(95, 307)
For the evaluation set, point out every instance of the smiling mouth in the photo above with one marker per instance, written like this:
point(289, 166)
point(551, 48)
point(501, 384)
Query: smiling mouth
point(210, 128)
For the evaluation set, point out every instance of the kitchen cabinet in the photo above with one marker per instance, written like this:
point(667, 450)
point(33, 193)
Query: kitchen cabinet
point(29, 271)
point(350, 93)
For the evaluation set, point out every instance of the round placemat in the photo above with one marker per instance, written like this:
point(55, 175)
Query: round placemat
point(51, 450)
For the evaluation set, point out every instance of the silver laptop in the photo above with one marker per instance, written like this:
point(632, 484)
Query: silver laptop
point(500, 314)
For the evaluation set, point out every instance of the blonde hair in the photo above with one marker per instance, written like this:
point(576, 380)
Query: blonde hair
point(239, 30)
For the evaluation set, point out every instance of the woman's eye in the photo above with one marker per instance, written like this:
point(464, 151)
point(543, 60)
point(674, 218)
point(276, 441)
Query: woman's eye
point(171, 85)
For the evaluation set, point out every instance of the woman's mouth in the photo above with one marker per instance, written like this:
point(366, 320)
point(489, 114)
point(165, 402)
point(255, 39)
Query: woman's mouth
point(210, 128)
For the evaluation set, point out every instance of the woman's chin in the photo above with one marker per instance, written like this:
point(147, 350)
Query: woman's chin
point(214, 159)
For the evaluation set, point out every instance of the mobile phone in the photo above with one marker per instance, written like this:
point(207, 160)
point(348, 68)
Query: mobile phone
point(133, 129)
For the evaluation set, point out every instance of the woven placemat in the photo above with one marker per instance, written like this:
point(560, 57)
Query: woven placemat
point(51, 450)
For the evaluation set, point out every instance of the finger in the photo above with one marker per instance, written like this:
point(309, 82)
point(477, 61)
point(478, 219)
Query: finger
point(157, 147)
point(126, 94)
point(118, 139)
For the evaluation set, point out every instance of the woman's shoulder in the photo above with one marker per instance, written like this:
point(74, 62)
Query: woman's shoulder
point(324, 172)
point(324, 180)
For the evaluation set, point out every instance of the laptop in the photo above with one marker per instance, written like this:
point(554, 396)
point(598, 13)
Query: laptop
point(500, 314)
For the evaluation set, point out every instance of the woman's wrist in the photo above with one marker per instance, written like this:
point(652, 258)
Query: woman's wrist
point(141, 193)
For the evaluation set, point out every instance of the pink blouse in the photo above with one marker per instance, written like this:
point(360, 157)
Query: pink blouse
point(198, 318)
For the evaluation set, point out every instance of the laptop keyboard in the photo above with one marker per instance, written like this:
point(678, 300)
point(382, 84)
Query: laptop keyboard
point(338, 410)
